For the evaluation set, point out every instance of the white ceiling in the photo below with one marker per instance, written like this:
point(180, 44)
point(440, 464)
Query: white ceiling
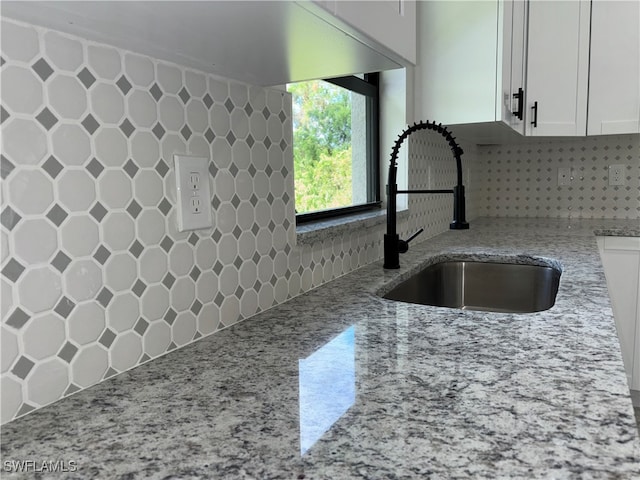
point(258, 42)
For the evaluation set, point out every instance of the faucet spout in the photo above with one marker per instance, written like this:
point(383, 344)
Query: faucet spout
point(393, 246)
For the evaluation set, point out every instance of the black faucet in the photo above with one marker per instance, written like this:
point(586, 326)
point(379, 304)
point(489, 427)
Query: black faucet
point(393, 246)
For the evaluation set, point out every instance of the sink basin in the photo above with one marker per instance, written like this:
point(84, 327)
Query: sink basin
point(484, 286)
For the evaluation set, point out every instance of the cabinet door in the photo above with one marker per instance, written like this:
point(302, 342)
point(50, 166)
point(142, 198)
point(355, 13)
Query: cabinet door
point(557, 68)
point(515, 23)
point(614, 81)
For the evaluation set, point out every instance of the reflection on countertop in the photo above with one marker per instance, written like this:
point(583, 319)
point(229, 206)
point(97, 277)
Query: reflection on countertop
point(424, 392)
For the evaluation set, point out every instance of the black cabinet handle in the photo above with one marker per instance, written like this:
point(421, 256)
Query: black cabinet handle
point(535, 114)
point(520, 97)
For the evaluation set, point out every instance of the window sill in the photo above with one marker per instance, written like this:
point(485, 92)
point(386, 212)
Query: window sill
point(321, 230)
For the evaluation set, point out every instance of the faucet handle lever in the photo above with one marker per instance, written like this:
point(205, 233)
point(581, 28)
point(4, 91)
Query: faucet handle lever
point(403, 245)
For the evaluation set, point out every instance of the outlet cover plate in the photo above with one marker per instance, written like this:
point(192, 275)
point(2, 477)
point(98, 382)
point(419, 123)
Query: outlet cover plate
point(193, 192)
point(564, 176)
point(616, 175)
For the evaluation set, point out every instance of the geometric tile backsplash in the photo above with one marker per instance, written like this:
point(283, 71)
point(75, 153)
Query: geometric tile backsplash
point(95, 277)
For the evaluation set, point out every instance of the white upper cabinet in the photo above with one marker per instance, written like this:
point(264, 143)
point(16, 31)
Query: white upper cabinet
point(557, 68)
point(614, 79)
point(470, 65)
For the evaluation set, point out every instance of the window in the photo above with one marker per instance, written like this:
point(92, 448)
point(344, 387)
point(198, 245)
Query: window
point(335, 146)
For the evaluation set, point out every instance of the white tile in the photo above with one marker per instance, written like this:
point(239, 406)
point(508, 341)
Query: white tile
point(145, 149)
point(219, 89)
point(48, 381)
point(197, 117)
point(67, 97)
point(240, 124)
point(220, 120)
point(205, 253)
point(35, 240)
point(86, 323)
point(224, 185)
point(111, 147)
point(143, 110)
point(125, 351)
point(6, 298)
point(153, 265)
point(248, 275)
point(274, 129)
point(208, 319)
point(115, 189)
point(43, 336)
point(238, 93)
point(123, 312)
point(71, 144)
point(258, 125)
point(19, 42)
point(244, 185)
point(148, 188)
point(120, 272)
point(64, 52)
point(21, 90)
point(118, 231)
point(169, 78)
point(207, 287)
point(39, 289)
point(139, 69)
point(104, 61)
point(196, 83)
point(151, 227)
point(246, 245)
point(183, 328)
point(155, 302)
point(229, 280)
point(157, 339)
point(183, 293)
point(171, 113)
point(89, 365)
point(274, 100)
point(249, 303)
point(227, 249)
point(230, 311)
point(241, 155)
point(181, 258)
point(82, 280)
point(11, 395)
point(77, 190)
point(80, 236)
point(107, 103)
point(24, 141)
point(246, 215)
point(259, 156)
point(10, 351)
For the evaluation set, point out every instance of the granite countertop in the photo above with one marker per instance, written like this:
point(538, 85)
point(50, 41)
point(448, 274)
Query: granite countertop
point(339, 383)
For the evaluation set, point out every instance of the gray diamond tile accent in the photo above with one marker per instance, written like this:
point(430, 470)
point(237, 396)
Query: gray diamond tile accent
point(286, 224)
point(98, 211)
point(233, 169)
point(86, 77)
point(270, 197)
point(285, 196)
point(42, 68)
point(46, 118)
point(164, 206)
point(110, 373)
point(266, 113)
point(61, 261)
point(162, 168)
point(209, 135)
point(18, 318)
point(107, 338)
point(237, 231)
point(166, 244)
point(193, 239)
point(267, 142)
point(215, 203)
point(184, 95)
point(68, 352)
point(195, 273)
point(253, 200)
point(72, 389)
point(12, 270)
point(213, 170)
point(139, 287)
point(208, 101)
point(250, 141)
point(170, 316)
point(123, 84)
point(24, 409)
point(4, 115)
point(172, 346)
point(158, 131)
point(168, 281)
point(9, 218)
point(248, 109)
point(272, 254)
point(235, 201)
point(131, 168)
point(217, 268)
point(52, 166)
point(102, 254)
point(239, 291)
point(237, 262)
point(256, 256)
point(282, 116)
point(219, 299)
point(136, 248)
point(229, 105)
point(155, 92)
point(6, 167)
point(127, 127)
point(94, 167)
point(2, 61)
point(283, 145)
point(257, 286)
point(104, 297)
point(64, 307)
point(145, 358)
point(231, 138)
point(196, 307)
point(90, 124)
point(141, 326)
point(186, 132)
point(216, 235)
point(22, 367)
point(197, 335)
point(57, 215)
point(134, 209)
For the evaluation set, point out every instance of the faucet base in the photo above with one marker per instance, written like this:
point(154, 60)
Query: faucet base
point(391, 253)
point(456, 225)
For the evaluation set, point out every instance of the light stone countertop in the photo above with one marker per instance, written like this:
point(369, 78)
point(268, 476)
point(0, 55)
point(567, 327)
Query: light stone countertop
point(403, 391)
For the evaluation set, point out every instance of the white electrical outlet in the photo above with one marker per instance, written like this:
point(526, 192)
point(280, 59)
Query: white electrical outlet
point(193, 192)
point(564, 176)
point(616, 174)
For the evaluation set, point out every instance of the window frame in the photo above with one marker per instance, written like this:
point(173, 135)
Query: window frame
point(369, 88)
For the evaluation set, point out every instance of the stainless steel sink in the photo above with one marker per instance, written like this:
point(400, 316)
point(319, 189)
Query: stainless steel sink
point(485, 286)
